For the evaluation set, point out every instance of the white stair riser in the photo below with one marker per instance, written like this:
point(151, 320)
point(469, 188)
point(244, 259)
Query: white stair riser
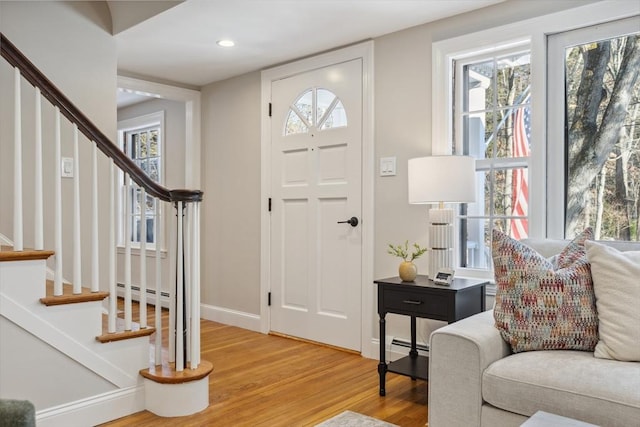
point(23, 281)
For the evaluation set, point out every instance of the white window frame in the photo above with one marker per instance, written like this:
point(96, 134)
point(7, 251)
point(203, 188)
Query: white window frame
point(128, 125)
point(535, 32)
point(556, 102)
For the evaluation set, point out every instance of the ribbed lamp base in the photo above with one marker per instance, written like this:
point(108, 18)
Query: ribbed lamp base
point(440, 240)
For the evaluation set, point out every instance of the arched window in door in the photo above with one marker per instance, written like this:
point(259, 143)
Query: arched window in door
point(316, 108)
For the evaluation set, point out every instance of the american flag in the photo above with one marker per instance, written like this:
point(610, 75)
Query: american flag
point(520, 180)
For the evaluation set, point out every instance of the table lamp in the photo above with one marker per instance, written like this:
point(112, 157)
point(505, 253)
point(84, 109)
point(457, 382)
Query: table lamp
point(439, 180)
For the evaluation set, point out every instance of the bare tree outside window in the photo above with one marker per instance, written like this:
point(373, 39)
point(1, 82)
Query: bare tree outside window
point(603, 138)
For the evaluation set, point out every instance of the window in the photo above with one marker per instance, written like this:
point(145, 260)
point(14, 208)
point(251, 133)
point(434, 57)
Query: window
point(599, 102)
point(141, 140)
point(316, 108)
point(492, 113)
point(474, 100)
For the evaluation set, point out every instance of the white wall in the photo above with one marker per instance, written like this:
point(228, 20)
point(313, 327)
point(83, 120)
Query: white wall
point(70, 42)
point(231, 158)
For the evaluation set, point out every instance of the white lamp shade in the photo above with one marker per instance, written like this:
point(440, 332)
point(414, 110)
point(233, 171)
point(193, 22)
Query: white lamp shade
point(436, 179)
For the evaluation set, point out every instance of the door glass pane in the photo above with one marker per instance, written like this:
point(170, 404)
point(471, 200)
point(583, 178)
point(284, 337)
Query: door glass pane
point(603, 135)
point(337, 118)
point(294, 124)
point(328, 112)
point(304, 104)
point(324, 100)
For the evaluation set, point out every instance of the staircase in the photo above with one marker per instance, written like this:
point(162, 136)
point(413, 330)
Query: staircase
point(58, 348)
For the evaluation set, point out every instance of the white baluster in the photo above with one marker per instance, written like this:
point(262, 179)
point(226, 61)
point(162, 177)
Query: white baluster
point(57, 282)
point(113, 206)
point(127, 253)
point(158, 239)
point(195, 288)
point(37, 176)
point(180, 294)
point(77, 249)
point(17, 165)
point(95, 254)
point(143, 258)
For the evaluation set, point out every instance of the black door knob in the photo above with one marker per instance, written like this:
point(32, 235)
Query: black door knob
point(353, 221)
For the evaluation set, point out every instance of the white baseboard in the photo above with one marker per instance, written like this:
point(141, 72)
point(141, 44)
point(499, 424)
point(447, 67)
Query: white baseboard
point(393, 352)
point(94, 410)
point(230, 317)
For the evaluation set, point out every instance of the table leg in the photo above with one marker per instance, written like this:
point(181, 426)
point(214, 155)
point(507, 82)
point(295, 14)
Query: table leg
point(413, 353)
point(382, 366)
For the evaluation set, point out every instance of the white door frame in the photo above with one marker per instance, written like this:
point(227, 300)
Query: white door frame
point(362, 51)
point(191, 99)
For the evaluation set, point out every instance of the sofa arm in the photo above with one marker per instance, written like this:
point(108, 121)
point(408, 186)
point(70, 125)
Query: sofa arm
point(458, 355)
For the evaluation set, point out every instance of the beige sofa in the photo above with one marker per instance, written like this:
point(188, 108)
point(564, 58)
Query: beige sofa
point(475, 380)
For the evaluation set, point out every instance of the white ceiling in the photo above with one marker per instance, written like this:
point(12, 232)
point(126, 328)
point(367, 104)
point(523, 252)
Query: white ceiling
point(179, 44)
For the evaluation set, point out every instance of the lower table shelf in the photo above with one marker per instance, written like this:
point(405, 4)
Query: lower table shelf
point(414, 367)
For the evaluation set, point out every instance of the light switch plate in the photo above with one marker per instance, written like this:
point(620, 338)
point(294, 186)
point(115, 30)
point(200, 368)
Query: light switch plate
point(387, 166)
point(67, 167)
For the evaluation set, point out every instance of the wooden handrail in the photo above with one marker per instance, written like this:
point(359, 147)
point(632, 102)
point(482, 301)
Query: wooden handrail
point(34, 76)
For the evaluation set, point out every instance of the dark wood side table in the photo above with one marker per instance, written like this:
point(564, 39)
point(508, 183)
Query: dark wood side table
point(423, 298)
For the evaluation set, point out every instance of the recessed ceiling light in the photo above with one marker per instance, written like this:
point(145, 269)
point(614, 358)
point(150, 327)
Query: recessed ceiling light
point(226, 43)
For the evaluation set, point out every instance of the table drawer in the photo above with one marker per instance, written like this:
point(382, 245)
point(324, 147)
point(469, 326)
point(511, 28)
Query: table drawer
point(430, 304)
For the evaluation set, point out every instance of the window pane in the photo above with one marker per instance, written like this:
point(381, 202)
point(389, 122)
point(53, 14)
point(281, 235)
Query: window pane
point(513, 79)
point(153, 144)
point(476, 241)
point(151, 205)
point(324, 100)
point(143, 146)
point(153, 168)
point(480, 87)
point(304, 104)
point(337, 117)
point(294, 124)
point(603, 121)
point(135, 228)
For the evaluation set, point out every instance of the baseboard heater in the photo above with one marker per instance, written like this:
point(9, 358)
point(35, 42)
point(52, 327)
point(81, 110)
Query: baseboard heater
point(407, 344)
point(149, 291)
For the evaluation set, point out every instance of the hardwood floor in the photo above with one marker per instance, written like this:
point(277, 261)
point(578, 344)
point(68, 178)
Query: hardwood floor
point(265, 380)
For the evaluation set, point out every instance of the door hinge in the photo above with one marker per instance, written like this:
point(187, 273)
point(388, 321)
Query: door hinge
point(269, 109)
point(269, 299)
point(269, 204)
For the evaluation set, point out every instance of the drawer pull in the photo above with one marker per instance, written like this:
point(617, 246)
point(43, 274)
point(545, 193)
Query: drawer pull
point(414, 302)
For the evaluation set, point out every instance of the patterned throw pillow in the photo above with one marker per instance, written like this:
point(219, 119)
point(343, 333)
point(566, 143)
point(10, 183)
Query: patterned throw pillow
point(542, 306)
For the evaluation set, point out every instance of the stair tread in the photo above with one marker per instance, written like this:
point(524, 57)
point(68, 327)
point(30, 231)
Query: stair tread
point(121, 334)
point(8, 254)
point(167, 374)
point(68, 297)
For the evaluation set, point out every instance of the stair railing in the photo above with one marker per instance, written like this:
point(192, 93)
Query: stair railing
point(184, 330)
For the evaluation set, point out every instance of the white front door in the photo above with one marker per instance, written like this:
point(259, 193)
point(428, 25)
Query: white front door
point(316, 177)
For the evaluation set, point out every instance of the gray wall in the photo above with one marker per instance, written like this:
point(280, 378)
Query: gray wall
point(71, 43)
point(231, 184)
point(231, 157)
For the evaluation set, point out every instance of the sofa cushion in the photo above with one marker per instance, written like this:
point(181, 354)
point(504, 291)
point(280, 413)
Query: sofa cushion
point(569, 383)
point(616, 283)
point(540, 305)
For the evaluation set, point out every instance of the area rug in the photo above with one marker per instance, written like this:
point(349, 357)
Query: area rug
point(353, 419)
